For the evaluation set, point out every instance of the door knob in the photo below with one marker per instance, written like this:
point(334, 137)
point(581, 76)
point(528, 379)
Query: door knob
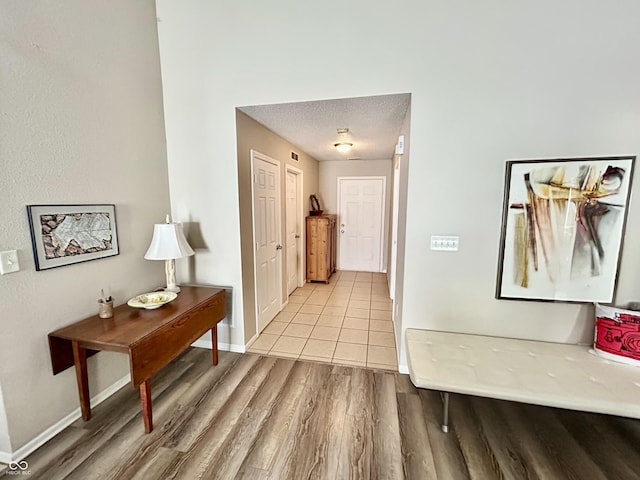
point(278, 247)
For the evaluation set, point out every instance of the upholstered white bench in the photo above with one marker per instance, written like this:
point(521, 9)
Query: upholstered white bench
point(542, 373)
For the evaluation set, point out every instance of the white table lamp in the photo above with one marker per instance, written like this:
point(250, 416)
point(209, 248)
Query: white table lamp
point(168, 243)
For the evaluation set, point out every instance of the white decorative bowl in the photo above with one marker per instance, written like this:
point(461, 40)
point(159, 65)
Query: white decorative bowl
point(152, 299)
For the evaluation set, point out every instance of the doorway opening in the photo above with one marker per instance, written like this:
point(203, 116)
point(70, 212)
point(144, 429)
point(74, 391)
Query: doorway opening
point(309, 129)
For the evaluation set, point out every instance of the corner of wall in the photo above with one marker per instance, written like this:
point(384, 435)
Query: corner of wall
point(5, 440)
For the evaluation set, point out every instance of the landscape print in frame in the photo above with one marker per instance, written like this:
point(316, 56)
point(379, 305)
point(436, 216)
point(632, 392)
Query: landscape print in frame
point(66, 234)
point(563, 224)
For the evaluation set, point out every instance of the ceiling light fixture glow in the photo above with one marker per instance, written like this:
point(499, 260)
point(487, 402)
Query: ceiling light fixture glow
point(343, 147)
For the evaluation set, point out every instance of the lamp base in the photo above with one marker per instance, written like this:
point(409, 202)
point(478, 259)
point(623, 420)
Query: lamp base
point(170, 272)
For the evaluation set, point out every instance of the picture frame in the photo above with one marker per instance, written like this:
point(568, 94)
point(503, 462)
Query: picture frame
point(66, 234)
point(563, 224)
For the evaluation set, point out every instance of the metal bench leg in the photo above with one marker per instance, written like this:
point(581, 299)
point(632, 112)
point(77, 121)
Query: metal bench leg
point(445, 421)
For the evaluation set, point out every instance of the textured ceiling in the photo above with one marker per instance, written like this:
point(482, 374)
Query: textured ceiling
point(373, 122)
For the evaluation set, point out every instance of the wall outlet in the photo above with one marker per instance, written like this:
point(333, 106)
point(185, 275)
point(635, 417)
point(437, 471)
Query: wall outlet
point(445, 243)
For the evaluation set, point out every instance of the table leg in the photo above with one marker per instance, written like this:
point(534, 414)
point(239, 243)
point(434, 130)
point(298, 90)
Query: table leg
point(214, 344)
point(145, 400)
point(80, 362)
point(445, 420)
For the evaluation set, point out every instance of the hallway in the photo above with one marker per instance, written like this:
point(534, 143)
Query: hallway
point(346, 322)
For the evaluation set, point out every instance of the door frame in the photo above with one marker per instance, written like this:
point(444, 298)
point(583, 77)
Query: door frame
point(300, 214)
point(395, 208)
point(265, 158)
point(383, 216)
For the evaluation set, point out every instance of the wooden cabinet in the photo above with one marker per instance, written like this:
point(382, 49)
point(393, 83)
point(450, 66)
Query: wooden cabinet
point(321, 247)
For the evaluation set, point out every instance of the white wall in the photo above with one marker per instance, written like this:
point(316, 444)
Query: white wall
point(490, 81)
point(203, 172)
point(328, 189)
point(81, 122)
point(402, 171)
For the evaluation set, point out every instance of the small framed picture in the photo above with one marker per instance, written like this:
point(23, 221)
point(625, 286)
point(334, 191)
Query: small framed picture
point(66, 234)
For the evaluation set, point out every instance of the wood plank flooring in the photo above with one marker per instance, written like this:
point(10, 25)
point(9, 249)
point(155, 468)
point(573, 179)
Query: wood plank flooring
point(256, 417)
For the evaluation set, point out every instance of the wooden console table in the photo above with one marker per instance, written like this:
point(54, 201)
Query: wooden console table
point(151, 338)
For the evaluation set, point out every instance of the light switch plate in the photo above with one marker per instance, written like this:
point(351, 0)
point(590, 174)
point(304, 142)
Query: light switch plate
point(9, 262)
point(445, 243)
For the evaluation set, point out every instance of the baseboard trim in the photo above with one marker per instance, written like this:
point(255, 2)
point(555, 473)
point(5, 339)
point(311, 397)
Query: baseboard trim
point(56, 428)
point(200, 343)
point(5, 457)
point(49, 433)
point(250, 342)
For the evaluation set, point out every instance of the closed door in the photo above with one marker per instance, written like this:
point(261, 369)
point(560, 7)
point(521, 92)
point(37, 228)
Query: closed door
point(360, 220)
point(266, 218)
point(293, 244)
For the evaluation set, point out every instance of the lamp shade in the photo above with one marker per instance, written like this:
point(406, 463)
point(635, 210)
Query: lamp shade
point(168, 242)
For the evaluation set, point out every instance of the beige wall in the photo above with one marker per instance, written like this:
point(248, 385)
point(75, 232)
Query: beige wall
point(5, 440)
point(81, 122)
point(328, 189)
point(253, 136)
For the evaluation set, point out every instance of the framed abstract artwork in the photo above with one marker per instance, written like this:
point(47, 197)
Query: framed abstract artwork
point(66, 234)
point(563, 225)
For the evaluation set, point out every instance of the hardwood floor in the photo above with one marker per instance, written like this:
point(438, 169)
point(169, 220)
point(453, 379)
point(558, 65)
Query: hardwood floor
point(255, 417)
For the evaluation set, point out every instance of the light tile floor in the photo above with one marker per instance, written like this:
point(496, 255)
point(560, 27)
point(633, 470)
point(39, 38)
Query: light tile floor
point(347, 321)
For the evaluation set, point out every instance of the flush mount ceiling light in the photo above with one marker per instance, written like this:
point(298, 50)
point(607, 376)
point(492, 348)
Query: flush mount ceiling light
point(343, 147)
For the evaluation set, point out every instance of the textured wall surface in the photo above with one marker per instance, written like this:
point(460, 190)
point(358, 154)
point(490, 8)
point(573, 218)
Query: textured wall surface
point(5, 441)
point(81, 122)
point(489, 82)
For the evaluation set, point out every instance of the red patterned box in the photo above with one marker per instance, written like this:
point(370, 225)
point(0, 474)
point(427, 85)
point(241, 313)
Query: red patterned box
point(617, 334)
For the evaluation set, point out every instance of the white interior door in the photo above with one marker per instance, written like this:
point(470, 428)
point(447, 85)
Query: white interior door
point(293, 244)
point(266, 225)
point(360, 217)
